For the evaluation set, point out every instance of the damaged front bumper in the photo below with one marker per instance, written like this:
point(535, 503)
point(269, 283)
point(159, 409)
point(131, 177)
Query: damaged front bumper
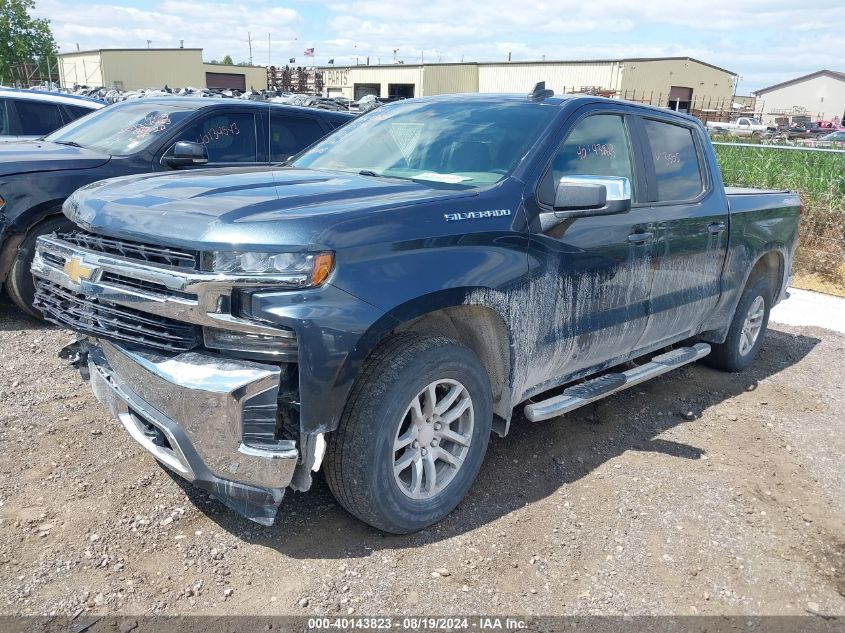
point(202, 416)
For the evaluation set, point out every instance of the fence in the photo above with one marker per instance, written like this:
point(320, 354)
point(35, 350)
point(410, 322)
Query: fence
point(818, 175)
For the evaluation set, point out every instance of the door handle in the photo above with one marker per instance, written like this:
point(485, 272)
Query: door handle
point(716, 227)
point(639, 238)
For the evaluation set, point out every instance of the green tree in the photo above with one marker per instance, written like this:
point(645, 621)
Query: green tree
point(227, 61)
point(24, 40)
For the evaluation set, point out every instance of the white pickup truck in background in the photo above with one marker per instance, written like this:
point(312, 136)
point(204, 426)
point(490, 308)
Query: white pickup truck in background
point(743, 126)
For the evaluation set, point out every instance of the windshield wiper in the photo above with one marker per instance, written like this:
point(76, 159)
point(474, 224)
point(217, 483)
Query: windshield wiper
point(71, 143)
point(369, 172)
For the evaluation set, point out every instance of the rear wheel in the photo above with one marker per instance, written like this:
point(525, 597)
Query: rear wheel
point(20, 284)
point(746, 331)
point(413, 435)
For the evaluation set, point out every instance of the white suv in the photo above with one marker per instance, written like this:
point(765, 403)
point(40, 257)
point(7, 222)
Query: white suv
point(34, 113)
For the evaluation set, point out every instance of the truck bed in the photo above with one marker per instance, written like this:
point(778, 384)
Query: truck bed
point(747, 199)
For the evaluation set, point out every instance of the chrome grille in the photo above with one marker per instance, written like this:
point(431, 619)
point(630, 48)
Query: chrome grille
point(147, 286)
point(82, 314)
point(177, 258)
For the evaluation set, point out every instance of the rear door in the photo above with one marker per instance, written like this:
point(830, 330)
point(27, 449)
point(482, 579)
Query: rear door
point(690, 236)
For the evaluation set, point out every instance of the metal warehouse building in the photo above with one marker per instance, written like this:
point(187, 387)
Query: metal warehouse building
point(819, 96)
point(134, 68)
point(681, 82)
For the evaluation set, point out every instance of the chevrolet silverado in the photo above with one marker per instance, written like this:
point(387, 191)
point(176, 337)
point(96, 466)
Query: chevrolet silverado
point(380, 305)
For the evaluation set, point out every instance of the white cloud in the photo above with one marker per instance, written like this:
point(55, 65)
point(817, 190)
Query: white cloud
point(218, 28)
point(765, 41)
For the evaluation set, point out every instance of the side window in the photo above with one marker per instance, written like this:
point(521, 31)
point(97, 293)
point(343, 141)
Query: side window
point(38, 118)
point(229, 138)
point(5, 127)
point(597, 146)
point(289, 135)
point(675, 161)
point(74, 112)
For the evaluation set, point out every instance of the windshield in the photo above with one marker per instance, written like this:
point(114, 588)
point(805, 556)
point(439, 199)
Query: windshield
point(121, 130)
point(470, 144)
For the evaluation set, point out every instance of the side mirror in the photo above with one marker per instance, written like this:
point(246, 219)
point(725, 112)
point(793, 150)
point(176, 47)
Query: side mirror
point(583, 196)
point(185, 154)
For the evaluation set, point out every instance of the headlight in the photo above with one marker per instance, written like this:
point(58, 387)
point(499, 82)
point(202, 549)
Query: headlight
point(303, 269)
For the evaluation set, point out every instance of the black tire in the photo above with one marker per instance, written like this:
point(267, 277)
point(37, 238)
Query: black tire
point(360, 455)
point(728, 356)
point(19, 283)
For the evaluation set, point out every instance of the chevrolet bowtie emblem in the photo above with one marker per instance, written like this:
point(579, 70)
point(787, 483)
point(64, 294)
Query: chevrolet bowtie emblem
point(77, 271)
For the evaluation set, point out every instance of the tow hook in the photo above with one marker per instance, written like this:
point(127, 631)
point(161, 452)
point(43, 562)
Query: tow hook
point(76, 354)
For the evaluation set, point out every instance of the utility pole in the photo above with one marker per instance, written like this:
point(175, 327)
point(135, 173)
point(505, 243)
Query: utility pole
point(249, 41)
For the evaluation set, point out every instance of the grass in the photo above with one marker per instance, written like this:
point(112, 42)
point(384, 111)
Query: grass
point(819, 178)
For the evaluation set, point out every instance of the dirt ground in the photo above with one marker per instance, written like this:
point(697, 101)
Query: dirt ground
point(627, 507)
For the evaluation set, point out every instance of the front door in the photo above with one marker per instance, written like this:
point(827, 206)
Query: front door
point(589, 275)
point(690, 236)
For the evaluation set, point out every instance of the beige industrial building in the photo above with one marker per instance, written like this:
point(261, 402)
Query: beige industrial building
point(134, 68)
point(681, 82)
point(819, 96)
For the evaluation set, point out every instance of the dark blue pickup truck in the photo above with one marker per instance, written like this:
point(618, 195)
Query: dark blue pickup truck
point(134, 137)
point(379, 306)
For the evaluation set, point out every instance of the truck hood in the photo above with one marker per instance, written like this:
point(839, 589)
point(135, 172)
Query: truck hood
point(21, 157)
point(251, 207)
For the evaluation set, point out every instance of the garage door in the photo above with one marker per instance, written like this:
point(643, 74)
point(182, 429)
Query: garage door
point(234, 81)
point(362, 90)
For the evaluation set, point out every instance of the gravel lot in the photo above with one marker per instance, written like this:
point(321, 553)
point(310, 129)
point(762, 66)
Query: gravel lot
point(625, 507)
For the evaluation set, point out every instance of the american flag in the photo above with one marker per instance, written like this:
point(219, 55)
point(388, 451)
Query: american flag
point(309, 52)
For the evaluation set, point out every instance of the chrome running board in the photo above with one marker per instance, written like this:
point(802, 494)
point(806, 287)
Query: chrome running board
point(597, 388)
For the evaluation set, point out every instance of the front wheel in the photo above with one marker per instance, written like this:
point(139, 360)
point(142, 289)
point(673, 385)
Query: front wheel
point(413, 434)
point(20, 284)
point(746, 331)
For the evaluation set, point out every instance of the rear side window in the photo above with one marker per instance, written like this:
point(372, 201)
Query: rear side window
point(676, 161)
point(229, 138)
point(290, 135)
point(74, 112)
point(38, 118)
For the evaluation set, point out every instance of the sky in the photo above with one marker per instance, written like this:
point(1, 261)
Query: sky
point(764, 41)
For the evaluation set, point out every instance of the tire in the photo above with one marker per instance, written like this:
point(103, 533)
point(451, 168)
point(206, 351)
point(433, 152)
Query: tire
point(735, 354)
point(362, 455)
point(20, 284)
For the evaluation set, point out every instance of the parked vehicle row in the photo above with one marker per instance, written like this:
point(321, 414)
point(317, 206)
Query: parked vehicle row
point(381, 304)
point(135, 137)
point(806, 132)
point(810, 130)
